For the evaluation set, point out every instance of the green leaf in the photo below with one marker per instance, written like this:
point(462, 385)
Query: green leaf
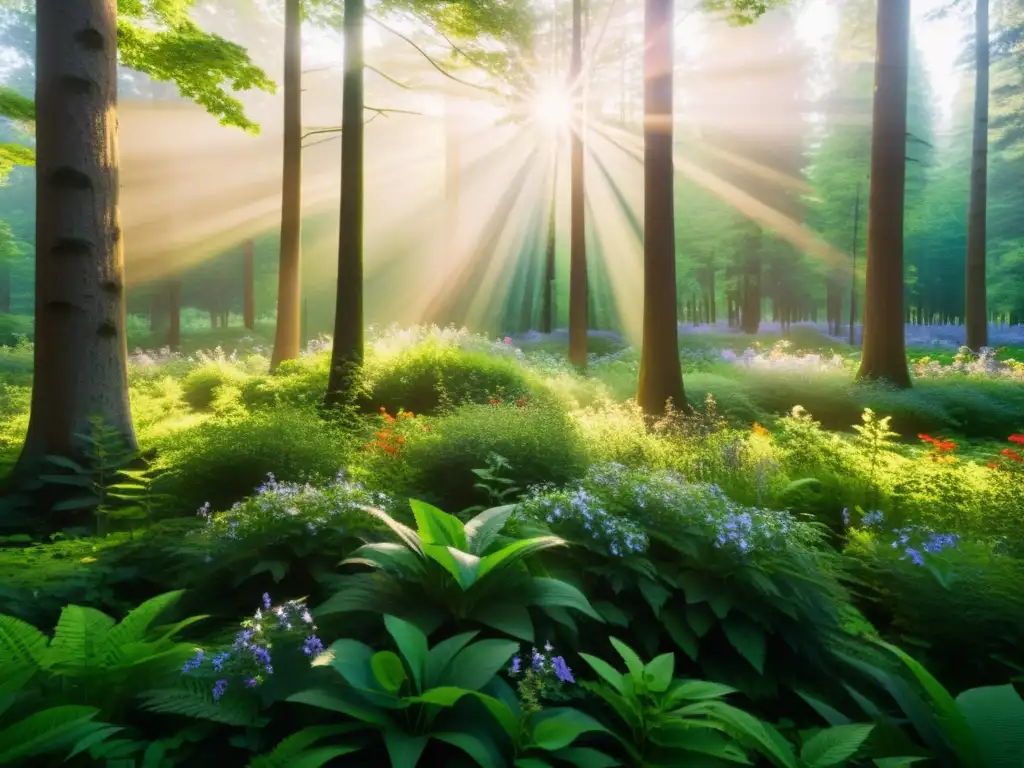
point(408, 536)
point(748, 639)
point(444, 556)
point(44, 731)
point(346, 705)
point(510, 618)
point(475, 665)
point(834, 746)
point(483, 529)
point(403, 748)
point(611, 613)
point(484, 751)
point(681, 634)
point(388, 670)
point(66, 463)
point(442, 696)
point(658, 672)
point(700, 619)
point(585, 757)
point(633, 662)
point(826, 712)
point(276, 569)
point(531, 762)
point(606, 672)
point(697, 690)
point(440, 657)
point(437, 527)
point(78, 502)
point(655, 595)
point(517, 551)
point(545, 592)
point(293, 750)
point(897, 762)
point(558, 727)
point(412, 644)
point(748, 728)
point(996, 718)
point(21, 644)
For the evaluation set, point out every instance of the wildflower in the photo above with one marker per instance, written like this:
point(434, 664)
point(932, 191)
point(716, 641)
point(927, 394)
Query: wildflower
point(312, 646)
point(562, 671)
point(846, 517)
point(914, 556)
point(873, 519)
point(760, 431)
point(1019, 439)
point(220, 659)
point(1012, 455)
point(537, 660)
point(252, 682)
point(266, 601)
point(517, 666)
point(194, 662)
point(218, 689)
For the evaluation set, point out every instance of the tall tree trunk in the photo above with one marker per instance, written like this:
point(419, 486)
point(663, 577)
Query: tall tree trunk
point(975, 308)
point(347, 352)
point(5, 288)
point(248, 287)
point(661, 376)
point(547, 310)
point(750, 312)
point(288, 330)
point(578, 315)
point(174, 308)
point(81, 365)
point(884, 353)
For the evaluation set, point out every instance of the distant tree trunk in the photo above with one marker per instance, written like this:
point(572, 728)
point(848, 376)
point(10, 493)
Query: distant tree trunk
point(975, 308)
point(81, 365)
point(174, 308)
point(288, 330)
point(5, 288)
point(547, 310)
point(750, 311)
point(884, 348)
point(578, 315)
point(248, 287)
point(347, 352)
point(661, 376)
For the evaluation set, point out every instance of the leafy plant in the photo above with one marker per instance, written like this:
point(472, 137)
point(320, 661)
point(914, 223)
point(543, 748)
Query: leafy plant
point(449, 569)
point(492, 482)
point(874, 434)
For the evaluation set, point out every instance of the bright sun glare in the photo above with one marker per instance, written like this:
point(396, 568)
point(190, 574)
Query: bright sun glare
point(552, 106)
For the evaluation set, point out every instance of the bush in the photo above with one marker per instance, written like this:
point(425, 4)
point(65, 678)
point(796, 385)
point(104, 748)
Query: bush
point(540, 442)
point(295, 383)
point(222, 462)
point(201, 384)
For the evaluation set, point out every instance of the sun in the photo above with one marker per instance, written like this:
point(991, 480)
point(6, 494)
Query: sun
point(552, 105)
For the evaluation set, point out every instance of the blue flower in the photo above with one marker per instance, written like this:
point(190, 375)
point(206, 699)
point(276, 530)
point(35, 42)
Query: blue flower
point(266, 601)
point(194, 662)
point(313, 646)
point(218, 689)
point(562, 671)
point(914, 556)
point(220, 659)
point(517, 666)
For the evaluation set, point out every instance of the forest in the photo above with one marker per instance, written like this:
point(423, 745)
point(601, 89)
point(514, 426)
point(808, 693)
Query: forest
point(512, 383)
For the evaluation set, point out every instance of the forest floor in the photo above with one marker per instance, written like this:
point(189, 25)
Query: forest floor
point(807, 502)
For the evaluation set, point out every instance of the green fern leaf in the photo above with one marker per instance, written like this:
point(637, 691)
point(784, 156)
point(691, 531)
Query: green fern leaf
point(80, 638)
point(194, 698)
point(47, 731)
point(293, 749)
point(21, 644)
point(134, 627)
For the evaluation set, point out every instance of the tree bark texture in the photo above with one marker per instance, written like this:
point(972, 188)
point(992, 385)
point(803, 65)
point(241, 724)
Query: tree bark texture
point(288, 330)
point(347, 352)
point(80, 344)
point(578, 309)
point(661, 376)
point(975, 304)
point(884, 347)
point(547, 310)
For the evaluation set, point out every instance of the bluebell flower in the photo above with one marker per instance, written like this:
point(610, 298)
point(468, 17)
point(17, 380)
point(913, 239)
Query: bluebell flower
point(194, 662)
point(218, 689)
point(266, 601)
point(562, 671)
point(537, 660)
point(517, 666)
point(312, 646)
point(914, 556)
point(220, 659)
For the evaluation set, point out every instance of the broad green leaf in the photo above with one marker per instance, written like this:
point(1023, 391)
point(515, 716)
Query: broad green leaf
point(66, 463)
point(996, 717)
point(606, 671)
point(358, 592)
point(516, 551)
point(698, 736)
point(949, 714)
point(558, 727)
point(412, 644)
point(835, 745)
point(700, 618)
point(827, 713)
point(681, 634)
point(437, 527)
point(531, 762)
point(42, 731)
point(93, 738)
point(475, 665)
point(747, 728)
point(403, 748)
point(388, 670)
point(79, 502)
point(484, 751)
point(509, 618)
point(611, 613)
point(351, 660)
point(748, 640)
point(441, 655)
point(545, 592)
point(388, 556)
point(293, 750)
point(658, 672)
point(501, 712)
point(633, 662)
point(442, 696)
point(585, 757)
point(897, 762)
point(345, 704)
point(444, 556)
point(404, 532)
point(80, 637)
point(483, 529)
point(655, 594)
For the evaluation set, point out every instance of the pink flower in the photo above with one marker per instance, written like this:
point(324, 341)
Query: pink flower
point(508, 339)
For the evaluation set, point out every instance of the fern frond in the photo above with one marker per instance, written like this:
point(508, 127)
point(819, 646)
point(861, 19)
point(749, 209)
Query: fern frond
point(293, 751)
point(80, 637)
point(21, 644)
point(134, 627)
point(45, 732)
point(194, 698)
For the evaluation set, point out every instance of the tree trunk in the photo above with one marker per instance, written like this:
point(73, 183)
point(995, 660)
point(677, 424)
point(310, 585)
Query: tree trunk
point(750, 312)
point(248, 287)
point(174, 308)
point(884, 347)
point(288, 331)
point(661, 376)
point(547, 310)
point(975, 309)
point(5, 288)
point(347, 352)
point(578, 315)
point(81, 366)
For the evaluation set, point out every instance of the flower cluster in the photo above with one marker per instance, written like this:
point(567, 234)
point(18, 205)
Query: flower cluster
point(249, 658)
point(542, 678)
point(913, 541)
point(391, 437)
point(310, 508)
point(941, 450)
point(965, 363)
point(1010, 459)
point(779, 359)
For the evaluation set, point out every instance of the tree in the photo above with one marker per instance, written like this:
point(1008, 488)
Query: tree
point(884, 348)
point(578, 316)
point(80, 355)
point(288, 333)
point(975, 304)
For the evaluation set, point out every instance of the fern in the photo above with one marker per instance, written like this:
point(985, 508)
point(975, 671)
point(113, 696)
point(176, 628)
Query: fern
point(293, 751)
point(193, 698)
point(47, 731)
point(79, 639)
point(134, 627)
point(21, 644)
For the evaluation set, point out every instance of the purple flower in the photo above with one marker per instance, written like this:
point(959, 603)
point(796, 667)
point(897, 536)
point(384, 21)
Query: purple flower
point(914, 556)
point(562, 671)
point(266, 601)
point(218, 689)
point(220, 659)
point(517, 666)
point(538, 660)
point(194, 662)
point(313, 646)
point(251, 682)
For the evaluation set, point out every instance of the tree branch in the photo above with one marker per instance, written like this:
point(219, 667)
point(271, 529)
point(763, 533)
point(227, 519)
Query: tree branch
point(390, 79)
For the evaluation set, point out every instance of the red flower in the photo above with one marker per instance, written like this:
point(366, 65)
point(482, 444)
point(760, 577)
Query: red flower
point(1012, 455)
point(1016, 439)
point(946, 445)
point(992, 465)
point(494, 401)
point(521, 402)
point(926, 438)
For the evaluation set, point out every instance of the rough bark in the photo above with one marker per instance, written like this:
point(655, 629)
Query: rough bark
point(884, 347)
point(578, 314)
point(547, 310)
point(288, 331)
point(248, 287)
point(81, 368)
point(975, 307)
point(661, 376)
point(347, 352)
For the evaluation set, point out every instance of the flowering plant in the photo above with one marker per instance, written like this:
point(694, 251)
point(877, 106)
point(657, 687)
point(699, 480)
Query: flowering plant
point(542, 678)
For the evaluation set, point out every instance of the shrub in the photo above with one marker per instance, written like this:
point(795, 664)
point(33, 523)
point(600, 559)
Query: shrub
point(222, 462)
point(295, 383)
point(200, 385)
point(539, 440)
